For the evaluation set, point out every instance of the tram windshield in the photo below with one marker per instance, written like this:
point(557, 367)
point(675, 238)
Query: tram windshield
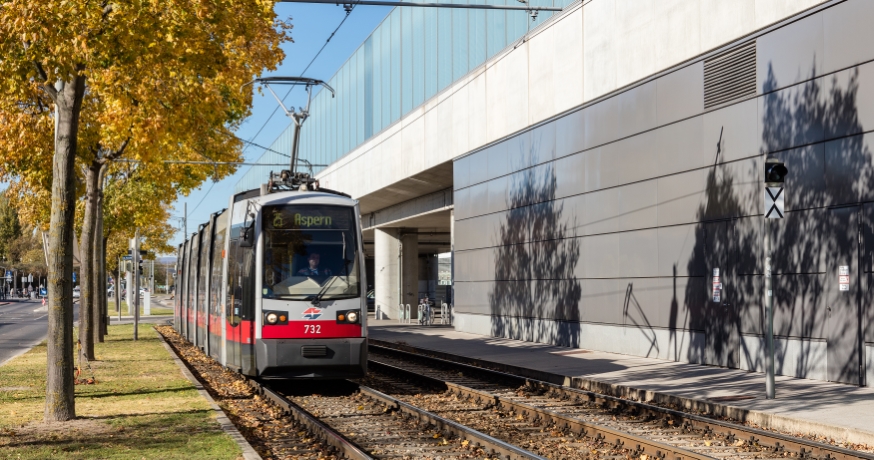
point(310, 252)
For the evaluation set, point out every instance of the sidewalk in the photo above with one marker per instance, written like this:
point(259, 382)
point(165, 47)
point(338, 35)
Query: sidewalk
point(840, 412)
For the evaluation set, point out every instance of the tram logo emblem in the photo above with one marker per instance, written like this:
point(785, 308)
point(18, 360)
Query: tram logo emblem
point(312, 313)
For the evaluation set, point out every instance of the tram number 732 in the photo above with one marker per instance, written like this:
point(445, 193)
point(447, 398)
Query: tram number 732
point(312, 329)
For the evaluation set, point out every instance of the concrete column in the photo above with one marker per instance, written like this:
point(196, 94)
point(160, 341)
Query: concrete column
point(386, 284)
point(452, 251)
point(410, 270)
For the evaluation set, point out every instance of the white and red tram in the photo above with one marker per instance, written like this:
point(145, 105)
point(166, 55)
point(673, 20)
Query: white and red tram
point(272, 286)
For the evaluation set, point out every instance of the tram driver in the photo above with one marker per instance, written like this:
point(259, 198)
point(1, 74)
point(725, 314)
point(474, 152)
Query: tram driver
point(313, 268)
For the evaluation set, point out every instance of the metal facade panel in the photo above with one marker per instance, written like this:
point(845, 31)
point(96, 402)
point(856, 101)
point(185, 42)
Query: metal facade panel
point(799, 305)
point(805, 185)
point(678, 147)
point(479, 199)
point(848, 177)
point(602, 253)
point(790, 54)
point(680, 251)
point(847, 35)
point(680, 94)
point(638, 109)
point(461, 200)
point(637, 253)
point(603, 300)
point(461, 173)
point(799, 242)
point(542, 141)
point(518, 151)
point(570, 175)
point(569, 134)
point(479, 167)
point(628, 160)
point(734, 129)
point(638, 205)
point(602, 212)
point(498, 198)
point(602, 122)
point(683, 197)
point(844, 326)
point(497, 160)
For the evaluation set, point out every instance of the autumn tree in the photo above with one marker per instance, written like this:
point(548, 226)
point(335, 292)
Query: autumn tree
point(10, 228)
point(151, 80)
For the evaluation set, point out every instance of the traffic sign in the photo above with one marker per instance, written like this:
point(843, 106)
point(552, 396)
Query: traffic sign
point(774, 206)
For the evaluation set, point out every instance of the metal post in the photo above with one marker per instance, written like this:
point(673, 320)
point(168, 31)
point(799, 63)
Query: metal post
point(769, 314)
point(135, 294)
point(118, 290)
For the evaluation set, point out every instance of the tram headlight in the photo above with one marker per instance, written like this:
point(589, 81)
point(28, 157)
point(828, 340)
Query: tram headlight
point(272, 318)
point(347, 316)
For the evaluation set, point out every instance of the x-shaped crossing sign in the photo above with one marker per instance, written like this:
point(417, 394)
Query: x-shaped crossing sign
point(774, 203)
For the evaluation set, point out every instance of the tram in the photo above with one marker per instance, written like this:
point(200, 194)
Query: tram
point(272, 286)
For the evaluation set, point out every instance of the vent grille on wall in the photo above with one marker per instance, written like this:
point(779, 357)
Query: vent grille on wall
point(731, 75)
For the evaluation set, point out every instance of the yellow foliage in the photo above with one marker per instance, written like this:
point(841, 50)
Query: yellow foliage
point(164, 81)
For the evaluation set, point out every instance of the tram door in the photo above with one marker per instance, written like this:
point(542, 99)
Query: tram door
point(234, 303)
point(843, 295)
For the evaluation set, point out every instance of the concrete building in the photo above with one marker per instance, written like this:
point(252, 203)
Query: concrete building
point(594, 175)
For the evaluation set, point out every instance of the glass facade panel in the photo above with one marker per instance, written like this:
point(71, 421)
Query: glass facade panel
point(460, 44)
point(410, 57)
point(407, 60)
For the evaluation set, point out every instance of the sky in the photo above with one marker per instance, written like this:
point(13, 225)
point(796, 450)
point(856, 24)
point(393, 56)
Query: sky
point(313, 25)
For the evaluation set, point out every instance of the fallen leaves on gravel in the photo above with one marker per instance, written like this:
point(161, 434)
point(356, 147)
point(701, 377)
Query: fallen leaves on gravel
point(269, 432)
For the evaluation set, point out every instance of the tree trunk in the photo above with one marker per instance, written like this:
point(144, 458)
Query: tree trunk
point(87, 307)
point(118, 290)
point(60, 393)
point(98, 295)
point(104, 320)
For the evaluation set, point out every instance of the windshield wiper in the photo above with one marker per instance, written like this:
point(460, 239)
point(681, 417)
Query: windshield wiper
point(318, 297)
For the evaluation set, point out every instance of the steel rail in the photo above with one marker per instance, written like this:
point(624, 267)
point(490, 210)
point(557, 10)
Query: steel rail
point(775, 442)
point(617, 439)
point(318, 428)
point(494, 445)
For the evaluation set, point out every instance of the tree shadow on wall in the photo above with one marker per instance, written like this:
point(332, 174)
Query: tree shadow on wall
point(535, 296)
point(806, 245)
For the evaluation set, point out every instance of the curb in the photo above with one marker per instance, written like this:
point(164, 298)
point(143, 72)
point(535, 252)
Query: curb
point(227, 426)
point(763, 420)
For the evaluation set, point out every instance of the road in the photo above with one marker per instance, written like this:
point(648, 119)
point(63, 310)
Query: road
point(21, 328)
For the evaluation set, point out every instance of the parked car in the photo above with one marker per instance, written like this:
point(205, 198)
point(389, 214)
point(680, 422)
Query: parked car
point(76, 292)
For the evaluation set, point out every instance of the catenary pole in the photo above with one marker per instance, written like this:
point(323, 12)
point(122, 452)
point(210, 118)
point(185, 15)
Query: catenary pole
point(135, 292)
point(770, 391)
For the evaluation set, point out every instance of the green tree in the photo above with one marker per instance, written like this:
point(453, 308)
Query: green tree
point(10, 228)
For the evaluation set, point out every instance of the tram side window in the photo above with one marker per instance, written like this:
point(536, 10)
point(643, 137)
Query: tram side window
point(248, 279)
point(235, 289)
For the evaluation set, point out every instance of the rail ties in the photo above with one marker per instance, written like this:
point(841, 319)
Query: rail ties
point(639, 430)
point(367, 423)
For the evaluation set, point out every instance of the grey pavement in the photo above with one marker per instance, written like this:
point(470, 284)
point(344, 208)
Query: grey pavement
point(23, 325)
point(836, 411)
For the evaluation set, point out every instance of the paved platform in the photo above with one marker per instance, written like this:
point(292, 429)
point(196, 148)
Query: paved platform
point(843, 413)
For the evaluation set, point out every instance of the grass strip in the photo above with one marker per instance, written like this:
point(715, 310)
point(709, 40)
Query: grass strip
point(141, 407)
point(127, 311)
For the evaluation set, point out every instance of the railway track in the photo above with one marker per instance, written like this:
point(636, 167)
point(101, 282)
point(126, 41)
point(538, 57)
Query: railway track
point(636, 429)
point(359, 422)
